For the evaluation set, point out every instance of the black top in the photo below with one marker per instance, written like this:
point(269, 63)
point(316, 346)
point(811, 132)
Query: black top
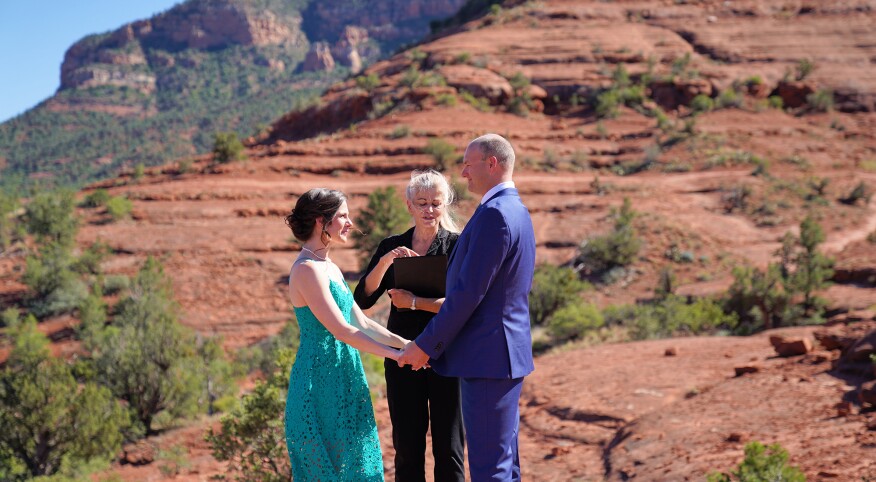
point(407, 324)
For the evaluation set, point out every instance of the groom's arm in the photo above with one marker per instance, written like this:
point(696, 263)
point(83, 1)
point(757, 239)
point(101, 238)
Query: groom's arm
point(485, 253)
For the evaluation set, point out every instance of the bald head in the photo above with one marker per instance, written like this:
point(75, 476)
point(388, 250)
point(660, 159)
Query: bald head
point(496, 146)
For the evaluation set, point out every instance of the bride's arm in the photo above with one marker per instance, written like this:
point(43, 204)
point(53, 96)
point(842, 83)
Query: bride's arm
point(376, 331)
point(313, 285)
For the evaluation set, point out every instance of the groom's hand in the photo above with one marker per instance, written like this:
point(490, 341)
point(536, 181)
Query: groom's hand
point(412, 355)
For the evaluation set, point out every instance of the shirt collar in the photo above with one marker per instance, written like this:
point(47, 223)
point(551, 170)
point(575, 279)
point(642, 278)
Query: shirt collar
point(497, 188)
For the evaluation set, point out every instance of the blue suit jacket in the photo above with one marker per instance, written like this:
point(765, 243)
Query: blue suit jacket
point(482, 329)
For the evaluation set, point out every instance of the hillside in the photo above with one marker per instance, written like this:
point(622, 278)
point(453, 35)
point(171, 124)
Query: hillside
point(716, 186)
point(160, 88)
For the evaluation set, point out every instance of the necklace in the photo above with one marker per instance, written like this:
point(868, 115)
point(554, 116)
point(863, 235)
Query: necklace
point(321, 258)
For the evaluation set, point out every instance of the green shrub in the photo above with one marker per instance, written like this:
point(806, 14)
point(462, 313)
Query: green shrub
point(608, 104)
point(821, 100)
point(445, 99)
point(462, 58)
point(96, 199)
point(521, 103)
point(552, 288)
point(443, 152)
point(702, 103)
point(8, 220)
point(411, 77)
point(114, 284)
point(119, 208)
point(385, 214)
point(680, 65)
point(776, 102)
point(728, 98)
point(762, 463)
point(574, 320)
point(139, 171)
point(804, 68)
point(400, 132)
point(480, 103)
point(671, 316)
point(368, 82)
point(615, 249)
point(227, 148)
point(252, 439)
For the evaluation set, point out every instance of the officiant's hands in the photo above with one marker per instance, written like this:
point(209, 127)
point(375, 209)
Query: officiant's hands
point(400, 252)
point(412, 355)
point(401, 298)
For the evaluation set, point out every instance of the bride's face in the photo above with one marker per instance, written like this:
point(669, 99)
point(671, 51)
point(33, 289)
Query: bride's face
point(341, 225)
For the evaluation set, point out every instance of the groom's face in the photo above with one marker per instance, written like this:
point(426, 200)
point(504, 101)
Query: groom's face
point(476, 168)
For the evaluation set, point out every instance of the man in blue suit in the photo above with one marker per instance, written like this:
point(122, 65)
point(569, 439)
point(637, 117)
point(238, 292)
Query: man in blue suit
point(481, 334)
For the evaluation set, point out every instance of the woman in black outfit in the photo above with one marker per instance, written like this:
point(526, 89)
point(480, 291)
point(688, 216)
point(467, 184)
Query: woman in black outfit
point(415, 397)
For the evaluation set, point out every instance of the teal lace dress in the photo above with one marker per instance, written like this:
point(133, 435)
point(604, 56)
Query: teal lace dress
point(330, 431)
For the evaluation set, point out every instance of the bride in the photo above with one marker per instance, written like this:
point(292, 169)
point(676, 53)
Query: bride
point(330, 428)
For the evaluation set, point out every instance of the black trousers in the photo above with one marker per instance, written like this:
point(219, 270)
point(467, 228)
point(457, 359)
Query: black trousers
point(414, 398)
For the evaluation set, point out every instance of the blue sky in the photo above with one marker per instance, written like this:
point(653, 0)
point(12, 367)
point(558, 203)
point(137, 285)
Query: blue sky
point(34, 34)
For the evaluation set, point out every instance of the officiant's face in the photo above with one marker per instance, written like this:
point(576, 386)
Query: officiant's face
point(427, 207)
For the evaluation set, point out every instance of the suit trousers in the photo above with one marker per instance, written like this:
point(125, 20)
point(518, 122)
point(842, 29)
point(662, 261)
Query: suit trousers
point(414, 398)
point(491, 413)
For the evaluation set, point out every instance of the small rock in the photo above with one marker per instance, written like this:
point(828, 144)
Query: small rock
point(557, 451)
point(871, 424)
point(746, 369)
point(735, 437)
point(787, 347)
point(671, 351)
point(843, 409)
point(711, 19)
point(141, 453)
point(867, 394)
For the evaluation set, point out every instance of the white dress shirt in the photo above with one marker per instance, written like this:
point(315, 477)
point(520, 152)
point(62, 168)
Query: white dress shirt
point(497, 188)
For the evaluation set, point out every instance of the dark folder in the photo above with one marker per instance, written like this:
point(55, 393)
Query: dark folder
point(421, 275)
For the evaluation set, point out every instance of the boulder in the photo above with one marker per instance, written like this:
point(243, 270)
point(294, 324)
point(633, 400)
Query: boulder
point(786, 347)
point(480, 82)
point(140, 453)
point(867, 393)
point(861, 350)
point(744, 369)
point(793, 93)
point(670, 94)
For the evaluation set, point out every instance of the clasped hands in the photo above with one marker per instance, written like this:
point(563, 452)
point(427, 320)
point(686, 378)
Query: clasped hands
point(412, 355)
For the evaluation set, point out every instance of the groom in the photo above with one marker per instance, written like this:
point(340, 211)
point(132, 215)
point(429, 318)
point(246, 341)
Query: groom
point(481, 334)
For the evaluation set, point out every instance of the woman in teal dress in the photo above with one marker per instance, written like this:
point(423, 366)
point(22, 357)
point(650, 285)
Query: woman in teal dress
point(330, 430)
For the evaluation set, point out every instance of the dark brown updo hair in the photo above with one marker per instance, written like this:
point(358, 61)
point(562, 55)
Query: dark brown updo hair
point(318, 203)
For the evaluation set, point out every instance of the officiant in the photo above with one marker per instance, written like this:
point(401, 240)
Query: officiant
point(417, 398)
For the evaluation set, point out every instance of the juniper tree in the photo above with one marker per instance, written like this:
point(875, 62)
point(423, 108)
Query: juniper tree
point(48, 418)
point(384, 215)
point(145, 356)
